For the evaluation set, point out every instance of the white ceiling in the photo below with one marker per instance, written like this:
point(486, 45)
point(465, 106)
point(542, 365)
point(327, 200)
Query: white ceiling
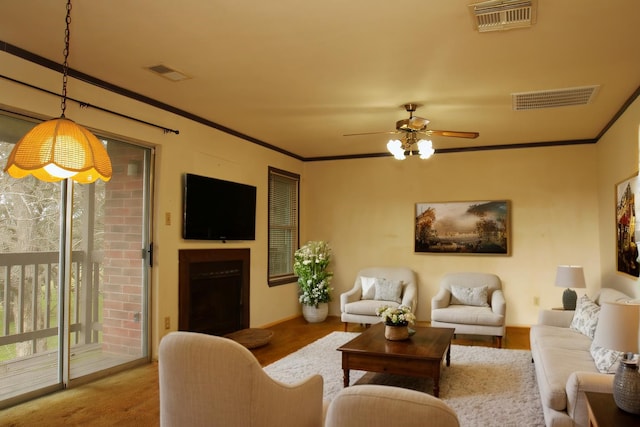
point(299, 75)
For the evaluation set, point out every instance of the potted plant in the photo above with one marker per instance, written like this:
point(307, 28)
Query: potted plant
point(310, 265)
point(397, 321)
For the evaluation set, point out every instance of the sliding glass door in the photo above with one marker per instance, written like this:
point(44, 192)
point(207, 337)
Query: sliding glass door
point(73, 272)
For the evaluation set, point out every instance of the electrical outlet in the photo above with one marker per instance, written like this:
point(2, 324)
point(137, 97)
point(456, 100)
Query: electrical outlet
point(536, 301)
point(167, 322)
point(167, 218)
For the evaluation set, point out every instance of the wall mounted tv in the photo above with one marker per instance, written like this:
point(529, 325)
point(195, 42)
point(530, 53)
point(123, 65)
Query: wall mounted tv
point(218, 210)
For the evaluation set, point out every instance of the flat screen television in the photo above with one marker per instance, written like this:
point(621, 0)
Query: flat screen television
point(215, 209)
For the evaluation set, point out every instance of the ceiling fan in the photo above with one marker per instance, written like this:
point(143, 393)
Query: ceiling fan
point(410, 128)
point(415, 124)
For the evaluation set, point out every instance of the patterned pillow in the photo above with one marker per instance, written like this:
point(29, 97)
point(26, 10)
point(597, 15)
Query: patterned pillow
point(368, 287)
point(388, 290)
point(478, 296)
point(606, 360)
point(585, 319)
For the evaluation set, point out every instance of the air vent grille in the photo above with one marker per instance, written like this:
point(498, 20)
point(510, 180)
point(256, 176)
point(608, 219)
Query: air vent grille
point(168, 73)
point(553, 98)
point(496, 15)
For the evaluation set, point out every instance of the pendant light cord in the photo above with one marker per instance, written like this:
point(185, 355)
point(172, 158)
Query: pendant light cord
point(65, 64)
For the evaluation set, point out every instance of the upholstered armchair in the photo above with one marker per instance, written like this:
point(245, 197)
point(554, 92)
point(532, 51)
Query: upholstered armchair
point(375, 287)
point(370, 405)
point(472, 303)
point(207, 380)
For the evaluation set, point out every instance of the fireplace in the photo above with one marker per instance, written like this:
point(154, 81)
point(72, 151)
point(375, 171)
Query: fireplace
point(213, 290)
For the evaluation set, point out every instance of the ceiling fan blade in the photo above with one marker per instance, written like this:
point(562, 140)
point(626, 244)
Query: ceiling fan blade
point(454, 133)
point(372, 133)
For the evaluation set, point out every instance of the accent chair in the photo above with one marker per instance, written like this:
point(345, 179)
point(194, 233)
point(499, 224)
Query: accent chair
point(371, 405)
point(375, 287)
point(472, 303)
point(208, 380)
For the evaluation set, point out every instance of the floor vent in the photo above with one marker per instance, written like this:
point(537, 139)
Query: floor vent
point(554, 98)
point(168, 73)
point(498, 15)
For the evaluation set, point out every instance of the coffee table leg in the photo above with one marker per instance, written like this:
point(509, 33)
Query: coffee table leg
point(449, 355)
point(436, 387)
point(346, 377)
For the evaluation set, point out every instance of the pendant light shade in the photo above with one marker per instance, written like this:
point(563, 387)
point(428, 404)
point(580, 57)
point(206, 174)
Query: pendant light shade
point(59, 149)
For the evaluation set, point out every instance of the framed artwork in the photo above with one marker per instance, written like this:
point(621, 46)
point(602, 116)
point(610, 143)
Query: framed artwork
point(478, 227)
point(627, 235)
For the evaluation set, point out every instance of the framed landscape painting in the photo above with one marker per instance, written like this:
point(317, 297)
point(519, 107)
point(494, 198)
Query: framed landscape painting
point(626, 240)
point(478, 227)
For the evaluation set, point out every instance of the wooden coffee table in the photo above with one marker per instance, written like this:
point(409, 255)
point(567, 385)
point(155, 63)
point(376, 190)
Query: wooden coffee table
point(419, 356)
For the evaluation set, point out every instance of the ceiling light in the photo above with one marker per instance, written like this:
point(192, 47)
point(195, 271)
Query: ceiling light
point(59, 148)
point(399, 148)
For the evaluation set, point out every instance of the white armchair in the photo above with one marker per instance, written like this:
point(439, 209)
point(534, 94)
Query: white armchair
point(371, 405)
point(208, 380)
point(472, 303)
point(375, 287)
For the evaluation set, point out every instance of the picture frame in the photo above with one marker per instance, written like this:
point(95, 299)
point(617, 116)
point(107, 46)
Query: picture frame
point(627, 232)
point(473, 227)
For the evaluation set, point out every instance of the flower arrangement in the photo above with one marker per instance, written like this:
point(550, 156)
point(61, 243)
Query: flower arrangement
point(396, 316)
point(310, 265)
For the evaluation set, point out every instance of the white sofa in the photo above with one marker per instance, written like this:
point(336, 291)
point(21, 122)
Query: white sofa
point(564, 365)
point(359, 304)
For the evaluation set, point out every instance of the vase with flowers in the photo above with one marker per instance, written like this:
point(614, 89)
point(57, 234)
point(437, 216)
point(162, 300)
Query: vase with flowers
point(397, 321)
point(311, 264)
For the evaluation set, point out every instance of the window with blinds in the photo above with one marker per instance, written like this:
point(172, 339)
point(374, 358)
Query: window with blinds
point(283, 225)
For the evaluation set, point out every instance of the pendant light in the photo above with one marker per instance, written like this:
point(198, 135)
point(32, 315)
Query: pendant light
point(59, 148)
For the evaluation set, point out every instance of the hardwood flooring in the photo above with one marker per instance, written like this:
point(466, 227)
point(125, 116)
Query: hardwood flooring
point(130, 398)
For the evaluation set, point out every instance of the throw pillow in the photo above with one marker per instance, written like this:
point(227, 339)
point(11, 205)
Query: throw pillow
point(368, 287)
point(606, 360)
point(478, 296)
point(585, 319)
point(388, 290)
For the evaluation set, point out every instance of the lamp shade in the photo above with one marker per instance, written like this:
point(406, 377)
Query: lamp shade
point(59, 149)
point(618, 327)
point(570, 276)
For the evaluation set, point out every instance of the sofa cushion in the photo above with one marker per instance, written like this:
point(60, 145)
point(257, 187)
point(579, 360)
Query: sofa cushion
point(368, 287)
point(585, 318)
point(388, 290)
point(475, 295)
point(367, 307)
point(467, 315)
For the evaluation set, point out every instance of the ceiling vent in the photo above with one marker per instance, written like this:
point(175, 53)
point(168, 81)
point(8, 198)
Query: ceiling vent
point(497, 15)
point(168, 73)
point(554, 98)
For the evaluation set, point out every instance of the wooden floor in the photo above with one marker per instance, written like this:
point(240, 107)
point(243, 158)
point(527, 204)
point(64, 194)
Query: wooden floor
point(130, 398)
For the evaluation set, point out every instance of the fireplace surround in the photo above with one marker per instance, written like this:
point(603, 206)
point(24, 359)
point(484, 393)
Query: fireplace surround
point(213, 290)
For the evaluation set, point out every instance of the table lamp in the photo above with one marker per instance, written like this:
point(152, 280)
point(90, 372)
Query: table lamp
point(570, 276)
point(618, 330)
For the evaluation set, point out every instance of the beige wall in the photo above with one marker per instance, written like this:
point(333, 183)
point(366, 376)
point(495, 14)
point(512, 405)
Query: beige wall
point(617, 155)
point(365, 207)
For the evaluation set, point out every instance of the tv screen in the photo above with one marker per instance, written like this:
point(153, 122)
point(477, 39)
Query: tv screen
point(218, 210)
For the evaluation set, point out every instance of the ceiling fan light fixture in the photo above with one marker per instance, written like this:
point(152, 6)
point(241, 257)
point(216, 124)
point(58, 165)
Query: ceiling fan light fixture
point(396, 148)
point(425, 149)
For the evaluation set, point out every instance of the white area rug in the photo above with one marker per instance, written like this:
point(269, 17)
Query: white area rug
point(485, 386)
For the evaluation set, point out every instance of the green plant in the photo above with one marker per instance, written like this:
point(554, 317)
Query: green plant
point(310, 265)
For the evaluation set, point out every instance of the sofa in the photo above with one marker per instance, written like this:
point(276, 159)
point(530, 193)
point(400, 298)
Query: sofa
point(567, 364)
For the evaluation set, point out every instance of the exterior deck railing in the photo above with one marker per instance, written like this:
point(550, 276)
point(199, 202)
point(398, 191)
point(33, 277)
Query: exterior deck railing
point(30, 297)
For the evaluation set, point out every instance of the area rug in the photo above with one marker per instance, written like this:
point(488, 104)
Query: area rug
point(485, 386)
